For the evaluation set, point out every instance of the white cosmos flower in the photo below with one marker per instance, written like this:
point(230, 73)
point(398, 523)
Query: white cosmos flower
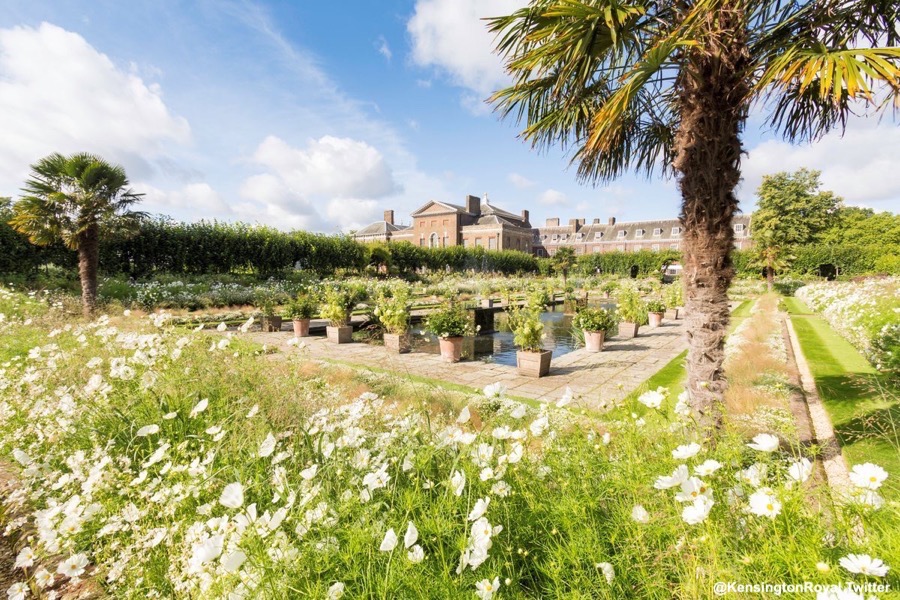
point(697, 512)
point(44, 578)
point(651, 399)
point(232, 562)
point(309, 472)
point(481, 506)
point(518, 411)
point(411, 536)
point(753, 475)
point(494, 390)
point(267, 447)
point(232, 496)
point(539, 425)
point(485, 589)
point(147, 430)
point(200, 407)
point(707, 468)
point(640, 514)
point(389, 542)
point(457, 482)
point(336, 591)
point(25, 558)
point(501, 489)
point(678, 476)
point(464, 415)
point(222, 326)
point(691, 489)
point(252, 413)
point(566, 398)
point(73, 566)
point(868, 476)
point(21, 458)
point(864, 564)
point(763, 503)
point(686, 451)
point(609, 573)
point(800, 470)
point(867, 498)
point(170, 416)
point(416, 554)
point(765, 442)
point(18, 591)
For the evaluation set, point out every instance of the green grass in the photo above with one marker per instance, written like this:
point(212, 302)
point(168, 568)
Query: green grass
point(670, 376)
point(864, 406)
point(743, 309)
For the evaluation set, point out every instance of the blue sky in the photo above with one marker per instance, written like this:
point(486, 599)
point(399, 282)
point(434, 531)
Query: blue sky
point(322, 115)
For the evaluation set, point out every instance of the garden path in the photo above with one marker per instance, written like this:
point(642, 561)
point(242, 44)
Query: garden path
point(598, 379)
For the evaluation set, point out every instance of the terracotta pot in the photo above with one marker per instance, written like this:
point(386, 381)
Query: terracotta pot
point(672, 313)
point(533, 364)
point(301, 327)
point(628, 330)
point(487, 303)
point(451, 348)
point(339, 335)
point(593, 340)
point(397, 343)
point(655, 319)
point(271, 324)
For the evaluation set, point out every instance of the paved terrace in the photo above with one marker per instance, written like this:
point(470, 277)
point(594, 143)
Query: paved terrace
point(597, 378)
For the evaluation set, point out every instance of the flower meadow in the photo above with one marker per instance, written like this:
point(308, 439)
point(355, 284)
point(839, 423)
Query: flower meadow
point(866, 313)
point(169, 462)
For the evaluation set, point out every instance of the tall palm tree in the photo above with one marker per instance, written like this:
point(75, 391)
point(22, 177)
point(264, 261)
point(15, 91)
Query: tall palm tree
point(79, 200)
point(664, 86)
point(563, 260)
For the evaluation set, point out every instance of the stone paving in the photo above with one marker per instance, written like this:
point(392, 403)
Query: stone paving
point(598, 378)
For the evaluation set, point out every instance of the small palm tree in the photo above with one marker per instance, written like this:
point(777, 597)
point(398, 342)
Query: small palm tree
point(563, 260)
point(652, 85)
point(79, 200)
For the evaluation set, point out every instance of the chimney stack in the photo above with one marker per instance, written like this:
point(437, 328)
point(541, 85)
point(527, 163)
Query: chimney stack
point(473, 204)
point(596, 221)
point(389, 217)
point(525, 215)
point(554, 222)
point(612, 220)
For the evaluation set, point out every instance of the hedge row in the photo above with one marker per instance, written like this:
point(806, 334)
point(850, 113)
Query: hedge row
point(628, 264)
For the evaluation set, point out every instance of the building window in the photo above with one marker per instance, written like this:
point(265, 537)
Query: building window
point(434, 223)
point(639, 233)
point(445, 222)
point(598, 235)
point(492, 243)
point(433, 240)
point(465, 242)
point(596, 249)
point(421, 223)
point(657, 232)
point(478, 242)
point(554, 238)
point(676, 231)
point(564, 237)
point(673, 246)
point(739, 229)
point(579, 236)
point(622, 233)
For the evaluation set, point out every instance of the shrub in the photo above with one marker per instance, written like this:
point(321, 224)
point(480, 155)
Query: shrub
point(392, 310)
point(596, 319)
point(449, 321)
point(631, 307)
point(674, 295)
point(656, 305)
point(302, 306)
point(526, 326)
point(339, 302)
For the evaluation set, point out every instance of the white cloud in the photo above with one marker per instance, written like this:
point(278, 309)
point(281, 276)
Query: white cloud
point(383, 48)
point(553, 197)
point(862, 166)
point(59, 94)
point(331, 166)
point(451, 36)
point(272, 201)
point(197, 200)
point(520, 181)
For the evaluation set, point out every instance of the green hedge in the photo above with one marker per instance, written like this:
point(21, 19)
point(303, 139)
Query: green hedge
point(407, 258)
point(849, 259)
point(622, 263)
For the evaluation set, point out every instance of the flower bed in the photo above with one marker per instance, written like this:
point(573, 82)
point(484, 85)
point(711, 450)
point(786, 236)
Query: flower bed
point(866, 313)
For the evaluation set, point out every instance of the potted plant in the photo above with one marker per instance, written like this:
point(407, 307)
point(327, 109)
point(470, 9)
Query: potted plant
point(570, 302)
point(339, 303)
point(596, 323)
point(632, 312)
point(674, 300)
point(393, 313)
point(484, 293)
point(655, 310)
point(528, 334)
point(449, 324)
point(609, 287)
point(266, 301)
point(300, 310)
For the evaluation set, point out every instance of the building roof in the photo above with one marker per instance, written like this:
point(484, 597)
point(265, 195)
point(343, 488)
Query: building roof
point(450, 207)
point(610, 233)
point(380, 228)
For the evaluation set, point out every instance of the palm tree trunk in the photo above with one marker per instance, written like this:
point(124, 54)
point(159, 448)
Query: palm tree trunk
point(88, 263)
point(770, 278)
point(708, 152)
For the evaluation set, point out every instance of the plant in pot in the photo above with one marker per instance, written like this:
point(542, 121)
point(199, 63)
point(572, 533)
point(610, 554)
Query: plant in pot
point(267, 301)
point(450, 324)
point(674, 297)
point(655, 310)
point(484, 290)
point(339, 303)
point(632, 311)
point(570, 301)
point(609, 287)
point(528, 334)
point(596, 323)
point(393, 313)
point(300, 310)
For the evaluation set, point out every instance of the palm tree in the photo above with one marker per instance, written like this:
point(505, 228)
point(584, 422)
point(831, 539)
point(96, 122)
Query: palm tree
point(668, 86)
point(771, 259)
point(563, 260)
point(79, 200)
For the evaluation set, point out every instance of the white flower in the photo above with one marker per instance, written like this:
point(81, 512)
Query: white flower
point(697, 512)
point(222, 326)
point(763, 503)
point(389, 542)
point(73, 566)
point(44, 578)
point(252, 413)
point(753, 475)
point(494, 390)
point(518, 411)
point(765, 442)
point(232, 496)
point(411, 535)
point(21, 458)
point(457, 482)
point(200, 407)
point(336, 591)
point(868, 476)
point(267, 447)
point(232, 562)
point(678, 476)
point(652, 399)
point(707, 468)
point(464, 415)
point(608, 571)
point(147, 430)
point(640, 514)
point(539, 426)
point(566, 398)
point(692, 489)
point(686, 451)
point(864, 565)
point(485, 588)
point(18, 591)
point(170, 416)
point(25, 558)
point(309, 472)
point(416, 554)
point(800, 470)
point(481, 506)
point(501, 488)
